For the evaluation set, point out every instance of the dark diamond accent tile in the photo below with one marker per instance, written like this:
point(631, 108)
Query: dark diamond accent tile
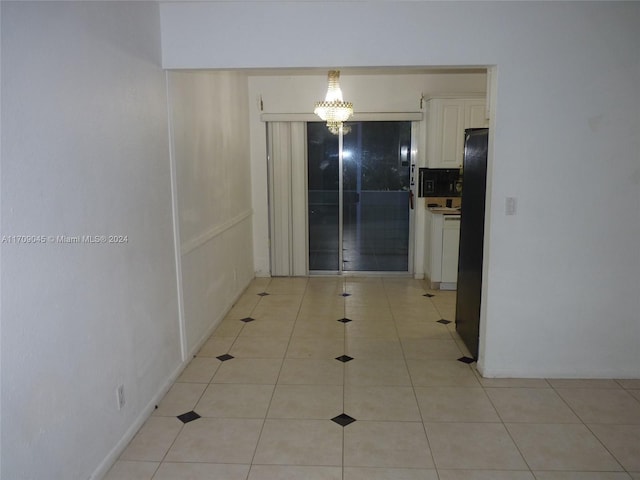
point(343, 419)
point(263, 294)
point(444, 322)
point(344, 358)
point(247, 319)
point(428, 295)
point(346, 294)
point(466, 360)
point(188, 417)
point(344, 320)
point(225, 357)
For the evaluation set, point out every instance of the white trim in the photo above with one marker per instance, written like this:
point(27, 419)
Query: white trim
point(357, 117)
point(299, 200)
point(175, 214)
point(203, 238)
point(455, 95)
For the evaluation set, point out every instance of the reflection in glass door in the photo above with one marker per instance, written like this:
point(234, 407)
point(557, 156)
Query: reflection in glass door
point(374, 197)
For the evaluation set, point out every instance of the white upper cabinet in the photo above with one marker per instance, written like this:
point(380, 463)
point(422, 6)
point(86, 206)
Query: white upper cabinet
point(447, 119)
point(476, 113)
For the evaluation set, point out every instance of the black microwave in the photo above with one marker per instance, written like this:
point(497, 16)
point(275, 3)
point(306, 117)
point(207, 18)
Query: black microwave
point(439, 182)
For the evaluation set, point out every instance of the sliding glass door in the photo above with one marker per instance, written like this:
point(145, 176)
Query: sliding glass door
point(372, 233)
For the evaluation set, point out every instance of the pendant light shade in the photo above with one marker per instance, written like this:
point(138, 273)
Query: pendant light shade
point(334, 110)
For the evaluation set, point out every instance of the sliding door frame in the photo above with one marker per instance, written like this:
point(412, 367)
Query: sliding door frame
point(288, 191)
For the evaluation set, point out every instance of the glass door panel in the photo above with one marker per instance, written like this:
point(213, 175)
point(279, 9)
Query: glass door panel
point(375, 197)
point(376, 158)
point(323, 200)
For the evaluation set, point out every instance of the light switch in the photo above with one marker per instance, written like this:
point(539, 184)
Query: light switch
point(510, 205)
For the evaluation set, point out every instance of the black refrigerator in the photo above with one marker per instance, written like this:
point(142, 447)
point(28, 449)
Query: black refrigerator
point(469, 289)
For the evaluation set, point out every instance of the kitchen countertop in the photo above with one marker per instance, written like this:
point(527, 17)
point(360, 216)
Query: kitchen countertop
point(445, 210)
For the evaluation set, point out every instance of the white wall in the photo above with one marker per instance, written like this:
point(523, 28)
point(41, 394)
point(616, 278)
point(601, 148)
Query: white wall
point(211, 154)
point(370, 94)
point(85, 151)
point(562, 277)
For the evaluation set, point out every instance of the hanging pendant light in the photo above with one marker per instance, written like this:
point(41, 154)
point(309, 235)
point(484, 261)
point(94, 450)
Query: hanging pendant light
point(334, 110)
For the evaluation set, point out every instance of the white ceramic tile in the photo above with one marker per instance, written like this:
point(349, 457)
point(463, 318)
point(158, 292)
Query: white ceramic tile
point(267, 328)
point(329, 328)
point(512, 382)
point(275, 314)
point(368, 328)
point(390, 403)
point(287, 472)
point(311, 371)
point(228, 400)
point(306, 401)
point(485, 475)
point(427, 348)
point(284, 301)
point(243, 308)
point(441, 373)
point(180, 398)
point(370, 473)
point(367, 371)
point(430, 329)
point(368, 310)
point(263, 347)
point(561, 447)
point(229, 327)
point(257, 285)
point(287, 285)
point(630, 384)
point(216, 440)
point(321, 310)
point(300, 442)
point(541, 475)
point(475, 446)
point(153, 440)
point(602, 405)
point(201, 471)
point(455, 404)
point(531, 405)
point(304, 347)
point(248, 370)
point(130, 470)
point(199, 370)
point(218, 345)
point(583, 383)
point(623, 441)
point(376, 348)
point(386, 444)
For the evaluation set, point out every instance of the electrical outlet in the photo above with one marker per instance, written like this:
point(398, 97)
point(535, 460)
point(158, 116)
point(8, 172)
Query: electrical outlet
point(120, 396)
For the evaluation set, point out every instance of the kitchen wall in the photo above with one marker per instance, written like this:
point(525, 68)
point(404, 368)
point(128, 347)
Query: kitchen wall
point(85, 151)
point(296, 94)
point(209, 116)
point(561, 276)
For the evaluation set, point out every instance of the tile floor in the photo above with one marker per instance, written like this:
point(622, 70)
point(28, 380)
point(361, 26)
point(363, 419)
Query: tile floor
point(272, 401)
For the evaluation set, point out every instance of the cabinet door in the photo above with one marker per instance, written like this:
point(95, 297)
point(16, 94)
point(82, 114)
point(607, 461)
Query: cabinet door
point(445, 136)
point(450, 244)
point(475, 114)
point(452, 136)
point(447, 120)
